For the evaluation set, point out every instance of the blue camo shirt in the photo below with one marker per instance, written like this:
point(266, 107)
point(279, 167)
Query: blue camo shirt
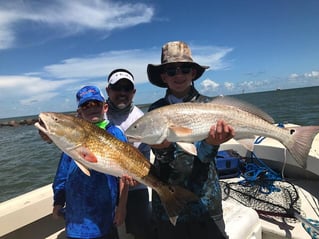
point(89, 201)
point(195, 173)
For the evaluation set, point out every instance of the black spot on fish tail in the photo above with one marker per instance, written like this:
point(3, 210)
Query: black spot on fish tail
point(171, 189)
point(302, 138)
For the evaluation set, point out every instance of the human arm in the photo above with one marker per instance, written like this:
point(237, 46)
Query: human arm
point(56, 212)
point(120, 212)
point(218, 134)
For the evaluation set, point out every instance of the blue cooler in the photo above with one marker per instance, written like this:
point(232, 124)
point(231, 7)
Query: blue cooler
point(227, 164)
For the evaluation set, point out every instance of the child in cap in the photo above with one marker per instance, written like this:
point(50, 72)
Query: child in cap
point(91, 204)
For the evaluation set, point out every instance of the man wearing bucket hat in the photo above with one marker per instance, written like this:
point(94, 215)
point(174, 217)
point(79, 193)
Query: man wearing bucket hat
point(203, 219)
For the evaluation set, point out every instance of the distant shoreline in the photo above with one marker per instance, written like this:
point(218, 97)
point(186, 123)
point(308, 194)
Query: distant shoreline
point(22, 121)
point(15, 123)
point(31, 119)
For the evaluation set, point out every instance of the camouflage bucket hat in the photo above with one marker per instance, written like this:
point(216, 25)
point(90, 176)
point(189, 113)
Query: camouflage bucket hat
point(173, 52)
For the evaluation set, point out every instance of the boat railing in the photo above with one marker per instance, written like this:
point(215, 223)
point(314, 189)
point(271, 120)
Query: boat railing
point(22, 216)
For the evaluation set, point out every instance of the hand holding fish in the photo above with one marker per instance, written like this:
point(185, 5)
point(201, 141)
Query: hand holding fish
point(56, 212)
point(220, 133)
point(130, 181)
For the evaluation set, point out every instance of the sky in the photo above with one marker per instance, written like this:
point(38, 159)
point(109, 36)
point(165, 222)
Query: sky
point(50, 49)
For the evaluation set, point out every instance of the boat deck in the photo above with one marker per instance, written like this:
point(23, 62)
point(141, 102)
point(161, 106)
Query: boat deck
point(29, 216)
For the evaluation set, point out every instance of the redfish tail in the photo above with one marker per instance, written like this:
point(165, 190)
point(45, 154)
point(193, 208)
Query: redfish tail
point(302, 138)
point(174, 199)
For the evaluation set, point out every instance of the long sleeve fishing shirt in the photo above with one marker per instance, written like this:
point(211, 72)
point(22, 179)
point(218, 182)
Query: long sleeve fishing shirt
point(196, 173)
point(89, 201)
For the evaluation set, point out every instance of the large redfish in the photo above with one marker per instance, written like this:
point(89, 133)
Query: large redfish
point(185, 123)
point(94, 148)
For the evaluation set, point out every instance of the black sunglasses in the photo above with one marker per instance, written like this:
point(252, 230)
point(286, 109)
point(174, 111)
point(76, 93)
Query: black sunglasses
point(172, 71)
point(126, 88)
point(91, 103)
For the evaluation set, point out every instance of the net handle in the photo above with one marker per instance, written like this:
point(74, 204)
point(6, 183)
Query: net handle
point(305, 221)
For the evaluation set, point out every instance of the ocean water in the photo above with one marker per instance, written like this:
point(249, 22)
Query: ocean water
point(27, 162)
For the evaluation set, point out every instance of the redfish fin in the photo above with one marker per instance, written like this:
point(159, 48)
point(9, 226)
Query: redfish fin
point(247, 142)
point(180, 131)
point(302, 141)
point(83, 168)
point(188, 147)
point(174, 200)
point(242, 105)
point(86, 154)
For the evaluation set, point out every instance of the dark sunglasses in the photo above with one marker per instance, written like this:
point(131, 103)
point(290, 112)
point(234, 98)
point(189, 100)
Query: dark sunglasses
point(90, 104)
point(126, 88)
point(172, 71)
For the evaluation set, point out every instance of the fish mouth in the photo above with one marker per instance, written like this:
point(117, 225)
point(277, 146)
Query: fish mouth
point(41, 125)
point(133, 139)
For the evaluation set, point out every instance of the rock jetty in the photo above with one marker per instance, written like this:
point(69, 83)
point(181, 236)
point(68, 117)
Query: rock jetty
point(26, 121)
point(15, 123)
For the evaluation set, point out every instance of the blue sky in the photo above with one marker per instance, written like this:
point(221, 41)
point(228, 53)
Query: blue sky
point(49, 49)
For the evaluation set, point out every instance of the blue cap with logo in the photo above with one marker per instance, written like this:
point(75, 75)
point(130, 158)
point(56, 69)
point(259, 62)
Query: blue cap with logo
point(88, 93)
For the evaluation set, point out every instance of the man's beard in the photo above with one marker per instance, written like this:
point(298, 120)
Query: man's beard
point(121, 106)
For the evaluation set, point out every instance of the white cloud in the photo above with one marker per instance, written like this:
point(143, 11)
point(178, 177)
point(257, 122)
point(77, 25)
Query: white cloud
point(100, 65)
point(26, 95)
point(254, 85)
point(136, 60)
point(24, 90)
point(208, 86)
point(31, 85)
point(293, 76)
point(313, 74)
point(69, 17)
point(6, 32)
point(211, 56)
point(307, 75)
point(229, 86)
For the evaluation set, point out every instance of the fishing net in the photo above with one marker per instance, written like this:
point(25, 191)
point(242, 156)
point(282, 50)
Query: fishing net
point(279, 203)
point(263, 190)
point(268, 193)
